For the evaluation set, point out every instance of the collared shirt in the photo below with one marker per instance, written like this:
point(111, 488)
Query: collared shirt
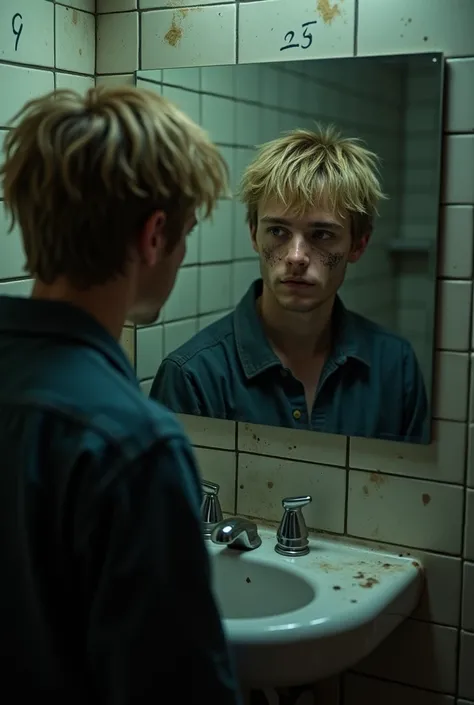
point(105, 587)
point(371, 384)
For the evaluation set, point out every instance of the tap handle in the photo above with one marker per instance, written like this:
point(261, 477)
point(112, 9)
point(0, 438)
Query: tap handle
point(294, 503)
point(211, 488)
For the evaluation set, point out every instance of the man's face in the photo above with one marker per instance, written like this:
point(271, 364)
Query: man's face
point(157, 272)
point(303, 259)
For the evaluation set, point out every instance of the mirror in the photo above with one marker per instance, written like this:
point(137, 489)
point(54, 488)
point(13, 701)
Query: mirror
point(338, 336)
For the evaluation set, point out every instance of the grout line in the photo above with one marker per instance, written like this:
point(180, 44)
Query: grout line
point(346, 499)
point(356, 27)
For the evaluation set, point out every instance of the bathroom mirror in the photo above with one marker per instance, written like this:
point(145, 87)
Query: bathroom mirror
point(291, 351)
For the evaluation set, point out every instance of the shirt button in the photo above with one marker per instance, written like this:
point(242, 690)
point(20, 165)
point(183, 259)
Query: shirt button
point(297, 414)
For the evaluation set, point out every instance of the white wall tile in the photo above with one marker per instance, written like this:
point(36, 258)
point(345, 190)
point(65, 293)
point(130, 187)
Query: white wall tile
point(20, 85)
point(217, 234)
point(187, 101)
point(215, 289)
point(459, 111)
point(74, 82)
point(75, 40)
point(214, 433)
point(469, 526)
point(247, 124)
point(243, 274)
point(431, 517)
point(180, 37)
point(116, 5)
point(407, 27)
point(453, 315)
point(184, 78)
point(323, 448)
point(467, 601)
point(154, 4)
point(456, 242)
point(218, 118)
point(149, 352)
point(263, 483)
point(466, 672)
point(85, 5)
point(266, 27)
point(442, 460)
point(12, 258)
point(360, 690)
point(128, 343)
point(458, 169)
point(418, 654)
point(117, 43)
point(177, 333)
point(145, 386)
point(441, 597)
point(19, 287)
point(219, 466)
point(470, 457)
point(26, 32)
point(119, 79)
point(218, 79)
point(183, 301)
point(451, 374)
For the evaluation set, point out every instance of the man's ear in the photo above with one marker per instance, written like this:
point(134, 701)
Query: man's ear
point(152, 240)
point(253, 236)
point(358, 248)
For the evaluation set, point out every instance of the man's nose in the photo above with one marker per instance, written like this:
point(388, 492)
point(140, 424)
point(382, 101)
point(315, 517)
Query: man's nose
point(298, 252)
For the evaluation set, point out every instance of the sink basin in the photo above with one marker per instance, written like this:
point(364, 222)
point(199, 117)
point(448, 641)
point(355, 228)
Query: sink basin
point(292, 621)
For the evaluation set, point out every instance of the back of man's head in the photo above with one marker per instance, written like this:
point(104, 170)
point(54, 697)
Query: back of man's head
point(82, 175)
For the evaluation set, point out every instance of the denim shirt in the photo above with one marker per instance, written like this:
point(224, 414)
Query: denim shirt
point(105, 590)
point(371, 384)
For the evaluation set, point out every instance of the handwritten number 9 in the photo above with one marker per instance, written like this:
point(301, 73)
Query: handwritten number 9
point(289, 37)
point(17, 28)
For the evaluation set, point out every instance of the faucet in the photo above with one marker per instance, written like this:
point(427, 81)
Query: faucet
point(238, 533)
point(292, 534)
point(211, 512)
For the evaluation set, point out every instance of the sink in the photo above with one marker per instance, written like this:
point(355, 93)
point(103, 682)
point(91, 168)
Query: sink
point(291, 621)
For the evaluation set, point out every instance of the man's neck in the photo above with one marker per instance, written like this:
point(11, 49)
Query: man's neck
point(107, 304)
point(293, 335)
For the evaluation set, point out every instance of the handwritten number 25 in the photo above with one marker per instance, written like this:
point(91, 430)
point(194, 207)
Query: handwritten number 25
point(289, 37)
point(17, 28)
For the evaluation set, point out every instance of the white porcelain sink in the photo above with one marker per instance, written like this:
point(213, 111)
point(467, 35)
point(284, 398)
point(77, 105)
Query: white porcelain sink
point(292, 621)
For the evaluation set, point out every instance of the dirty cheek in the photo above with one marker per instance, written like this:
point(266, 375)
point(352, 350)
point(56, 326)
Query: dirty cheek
point(272, 255)
point(331, 260)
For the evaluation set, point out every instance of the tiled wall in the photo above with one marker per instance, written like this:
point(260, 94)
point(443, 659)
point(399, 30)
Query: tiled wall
point(419, 499)
point(43, 45)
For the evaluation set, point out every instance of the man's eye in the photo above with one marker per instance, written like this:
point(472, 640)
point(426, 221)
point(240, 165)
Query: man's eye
point(276, 231)
point(322, 235)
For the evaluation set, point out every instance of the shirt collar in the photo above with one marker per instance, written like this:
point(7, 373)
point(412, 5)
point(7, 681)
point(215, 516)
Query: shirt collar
point(63, 322)
point(256, 354)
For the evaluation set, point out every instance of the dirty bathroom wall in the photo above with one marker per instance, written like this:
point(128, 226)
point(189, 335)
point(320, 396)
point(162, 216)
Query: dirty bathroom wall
point(43, 45)
point(417, 499)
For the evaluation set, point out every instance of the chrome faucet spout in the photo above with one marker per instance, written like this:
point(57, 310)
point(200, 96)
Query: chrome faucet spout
point(237, 533)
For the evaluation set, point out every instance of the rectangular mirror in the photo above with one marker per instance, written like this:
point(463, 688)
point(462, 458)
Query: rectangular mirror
point(316, 315)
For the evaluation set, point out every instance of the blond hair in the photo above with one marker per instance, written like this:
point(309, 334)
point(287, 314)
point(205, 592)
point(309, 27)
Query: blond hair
point(304, 169)
point(84, 173)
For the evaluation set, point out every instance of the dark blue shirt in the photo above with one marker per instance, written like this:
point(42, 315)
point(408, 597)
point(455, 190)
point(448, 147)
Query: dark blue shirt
point(371, 384)
point(104, 590)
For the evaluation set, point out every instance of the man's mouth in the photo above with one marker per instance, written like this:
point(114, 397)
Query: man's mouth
point(297, 282)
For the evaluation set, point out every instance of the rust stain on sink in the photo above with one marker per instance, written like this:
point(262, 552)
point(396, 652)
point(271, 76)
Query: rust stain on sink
point(328, 11)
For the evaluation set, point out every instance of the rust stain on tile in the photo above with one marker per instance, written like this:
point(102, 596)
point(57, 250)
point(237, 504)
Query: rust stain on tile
point(377, 478)
point(175, 33)
point(327, 11)
point(426, 498)
point(75, 16)
point(270, 485)
point(365, 490)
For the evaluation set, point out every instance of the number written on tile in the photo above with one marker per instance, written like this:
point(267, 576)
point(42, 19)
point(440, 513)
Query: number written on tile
point(305, 38)
point(17, 28)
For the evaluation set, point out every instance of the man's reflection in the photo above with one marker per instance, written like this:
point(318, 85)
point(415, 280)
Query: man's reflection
point(291, 354)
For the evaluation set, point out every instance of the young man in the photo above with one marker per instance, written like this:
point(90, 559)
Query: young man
point(291, 354)
point(105, 589)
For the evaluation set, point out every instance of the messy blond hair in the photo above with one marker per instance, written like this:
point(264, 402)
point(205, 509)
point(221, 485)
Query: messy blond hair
point(304, 169)
point(83, 174)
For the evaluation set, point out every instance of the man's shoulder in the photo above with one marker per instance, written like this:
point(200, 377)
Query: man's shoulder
point(211, 344)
